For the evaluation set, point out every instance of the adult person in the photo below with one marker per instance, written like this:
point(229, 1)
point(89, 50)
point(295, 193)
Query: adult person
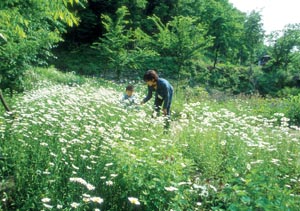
point(163, 92)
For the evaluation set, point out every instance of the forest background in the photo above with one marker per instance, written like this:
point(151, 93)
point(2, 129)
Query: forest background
point(204, 43)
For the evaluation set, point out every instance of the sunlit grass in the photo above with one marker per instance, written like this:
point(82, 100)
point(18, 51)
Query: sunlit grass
point(77, 148)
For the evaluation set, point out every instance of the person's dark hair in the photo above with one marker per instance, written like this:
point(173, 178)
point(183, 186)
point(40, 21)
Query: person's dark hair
point(129, 87)
point(150, 75)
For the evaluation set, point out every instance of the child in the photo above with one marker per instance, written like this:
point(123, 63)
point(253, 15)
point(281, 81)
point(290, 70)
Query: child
point(128, 97)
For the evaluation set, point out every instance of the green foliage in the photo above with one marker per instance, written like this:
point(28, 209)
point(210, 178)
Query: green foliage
point(225, 25)
point(232, 79)
point(170, 36)
point(253, 38)
point(249, 192)
point(284, 46)
point(174, 37)
point(29, 36)
point(218, 20)
point(293, 111)
point(270, 82)
point(280, 74)
point(116, 48)
point(86, 62)
point(288, 91)
point(179, 42)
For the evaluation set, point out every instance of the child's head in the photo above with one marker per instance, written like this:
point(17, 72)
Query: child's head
point(129, 90)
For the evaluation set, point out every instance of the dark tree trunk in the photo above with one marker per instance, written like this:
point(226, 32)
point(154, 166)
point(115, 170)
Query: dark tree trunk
point(216, 57)
point(3, 102)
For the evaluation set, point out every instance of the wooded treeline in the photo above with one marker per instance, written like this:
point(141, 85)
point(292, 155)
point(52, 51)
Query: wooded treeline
point(204, 42)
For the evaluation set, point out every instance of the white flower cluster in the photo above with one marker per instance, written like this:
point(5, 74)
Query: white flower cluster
point(83, 182)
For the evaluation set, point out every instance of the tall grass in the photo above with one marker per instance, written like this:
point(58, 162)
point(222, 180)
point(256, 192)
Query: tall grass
point(77, 148)
point(43, 77)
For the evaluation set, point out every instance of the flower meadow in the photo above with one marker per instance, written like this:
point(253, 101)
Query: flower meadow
point(78, 148)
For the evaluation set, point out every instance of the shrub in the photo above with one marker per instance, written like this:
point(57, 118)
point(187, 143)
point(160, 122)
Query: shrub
point(293, 109)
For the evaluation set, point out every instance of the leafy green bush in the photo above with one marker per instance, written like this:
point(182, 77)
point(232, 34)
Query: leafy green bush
point(287, 91)
point(293, 109)
point(226, 77)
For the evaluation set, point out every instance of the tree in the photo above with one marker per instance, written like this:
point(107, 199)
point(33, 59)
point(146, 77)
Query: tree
point(252, 42)
point(180, 41)
point(283, 67)
point(4, 102)
point(2, 40)
point(253, 36)
point(31, 28)
point(117, 47)
point(114, 46)
point(225, 25)
point(284, 45)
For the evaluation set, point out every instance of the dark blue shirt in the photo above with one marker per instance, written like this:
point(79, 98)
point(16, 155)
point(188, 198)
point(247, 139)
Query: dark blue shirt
point(163, 92)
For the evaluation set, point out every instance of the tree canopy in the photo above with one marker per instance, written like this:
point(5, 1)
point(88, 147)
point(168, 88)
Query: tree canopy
point(179, 37)
point(29, 29)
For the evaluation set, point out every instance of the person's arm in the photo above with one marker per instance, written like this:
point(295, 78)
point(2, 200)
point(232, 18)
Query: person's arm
point(148, 97)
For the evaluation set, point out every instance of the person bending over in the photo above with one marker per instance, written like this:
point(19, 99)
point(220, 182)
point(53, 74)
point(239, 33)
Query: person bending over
point(163, 92)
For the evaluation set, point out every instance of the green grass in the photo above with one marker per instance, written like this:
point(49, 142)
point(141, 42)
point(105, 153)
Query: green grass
point(75, 147)
point(42, 77)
